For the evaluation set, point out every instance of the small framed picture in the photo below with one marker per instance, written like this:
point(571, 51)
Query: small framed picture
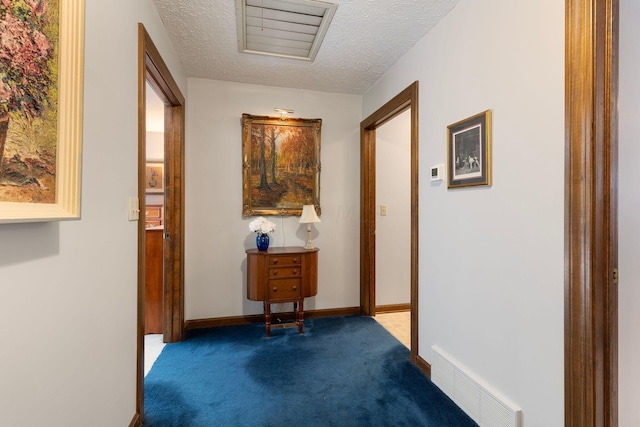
point(469, 151)
point(154, 178)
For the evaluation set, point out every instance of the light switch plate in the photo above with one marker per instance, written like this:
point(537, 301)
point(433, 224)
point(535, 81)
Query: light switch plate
point(134, 209)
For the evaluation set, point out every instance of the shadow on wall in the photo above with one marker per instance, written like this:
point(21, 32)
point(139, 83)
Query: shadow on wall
point(30, 242)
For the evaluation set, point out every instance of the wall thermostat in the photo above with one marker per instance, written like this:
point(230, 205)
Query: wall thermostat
point(437, 172)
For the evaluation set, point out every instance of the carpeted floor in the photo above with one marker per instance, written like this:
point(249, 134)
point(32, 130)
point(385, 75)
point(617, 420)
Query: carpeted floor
point(344, 371)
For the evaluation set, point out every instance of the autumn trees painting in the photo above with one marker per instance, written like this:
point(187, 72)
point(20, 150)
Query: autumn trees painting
point(28, 100)
point(281, 165)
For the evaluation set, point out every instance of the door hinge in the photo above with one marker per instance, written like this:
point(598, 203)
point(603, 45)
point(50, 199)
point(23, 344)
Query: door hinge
point(615, 275)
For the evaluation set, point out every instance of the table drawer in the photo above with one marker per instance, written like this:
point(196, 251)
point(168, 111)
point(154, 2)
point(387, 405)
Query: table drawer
point(285, 260)
point(275, 273)
point(153, 212)
point(284, 289)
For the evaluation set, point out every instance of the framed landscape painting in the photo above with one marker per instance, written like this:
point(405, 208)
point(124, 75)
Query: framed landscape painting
point(469, 151)
point(41, 70)
point(281, 165)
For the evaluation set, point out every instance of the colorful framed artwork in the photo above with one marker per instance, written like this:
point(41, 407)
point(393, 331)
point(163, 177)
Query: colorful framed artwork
point(41, 64)
point(281, 165)
point(154, 177)
point(469, 151)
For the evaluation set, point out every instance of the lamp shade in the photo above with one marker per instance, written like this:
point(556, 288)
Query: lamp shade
point(308, 215)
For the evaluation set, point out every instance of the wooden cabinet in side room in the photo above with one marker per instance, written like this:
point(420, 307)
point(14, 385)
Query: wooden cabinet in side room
point(154, 277)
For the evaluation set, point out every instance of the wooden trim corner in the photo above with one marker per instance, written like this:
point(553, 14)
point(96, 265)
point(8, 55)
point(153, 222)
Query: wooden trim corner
point(424, 366)
point(135, 421)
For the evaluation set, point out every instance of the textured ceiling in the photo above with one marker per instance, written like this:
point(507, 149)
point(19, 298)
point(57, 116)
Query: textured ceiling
point(365, 38)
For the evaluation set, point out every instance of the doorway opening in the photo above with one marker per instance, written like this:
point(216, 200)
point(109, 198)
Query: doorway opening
point(407, 100)
point(393, 227)
point(153, 71)
point(154, 220)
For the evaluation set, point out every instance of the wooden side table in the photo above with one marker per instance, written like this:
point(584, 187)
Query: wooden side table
point(279, 275)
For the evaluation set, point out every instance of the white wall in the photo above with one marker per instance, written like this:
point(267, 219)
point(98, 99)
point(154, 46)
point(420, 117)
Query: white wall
point(629, 216)
point(216, 233)
point(491, 278)
point(155, 146)
point(393, 231)
point(68, 305)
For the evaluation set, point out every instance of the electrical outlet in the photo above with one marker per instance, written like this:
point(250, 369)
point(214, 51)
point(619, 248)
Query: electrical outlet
point(383, 210)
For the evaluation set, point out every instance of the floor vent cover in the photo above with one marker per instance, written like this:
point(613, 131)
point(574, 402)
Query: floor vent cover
point(484, 406)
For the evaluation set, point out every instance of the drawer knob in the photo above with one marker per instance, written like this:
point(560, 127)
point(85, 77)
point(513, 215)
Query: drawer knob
point(275, 261)
point(295, 287)
point(295, 260)
point(275, 272)
point(295, 272)
point(275, 289)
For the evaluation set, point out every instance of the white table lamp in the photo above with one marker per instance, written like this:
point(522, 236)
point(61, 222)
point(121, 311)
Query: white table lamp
point(308, 216)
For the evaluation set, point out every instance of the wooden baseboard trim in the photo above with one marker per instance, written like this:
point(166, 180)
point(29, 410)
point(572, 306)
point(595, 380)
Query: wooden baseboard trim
point(392, 308)
point(332, 312)
point(135, 421)
point(215, 322)
point(424, 366)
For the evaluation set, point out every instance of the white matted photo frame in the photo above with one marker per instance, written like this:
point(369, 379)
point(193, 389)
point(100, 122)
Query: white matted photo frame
point(469, 151)
point(41, 119)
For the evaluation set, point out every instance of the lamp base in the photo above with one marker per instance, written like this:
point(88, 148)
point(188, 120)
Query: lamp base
point(309, 245)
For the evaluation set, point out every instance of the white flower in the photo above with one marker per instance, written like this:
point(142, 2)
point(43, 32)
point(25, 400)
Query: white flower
point(262, 225)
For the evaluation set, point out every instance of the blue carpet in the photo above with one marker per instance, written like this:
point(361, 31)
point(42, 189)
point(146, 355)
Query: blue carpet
point(344, 371)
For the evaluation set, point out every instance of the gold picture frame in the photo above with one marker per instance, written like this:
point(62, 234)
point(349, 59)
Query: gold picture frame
point(281, 165)
point(68, 149)
point(154, 177)
point(469, 151)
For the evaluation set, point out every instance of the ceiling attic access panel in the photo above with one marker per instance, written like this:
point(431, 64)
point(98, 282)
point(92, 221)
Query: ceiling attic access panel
point(290, 29)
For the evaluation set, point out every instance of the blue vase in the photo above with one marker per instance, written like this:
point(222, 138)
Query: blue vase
point(262, 240)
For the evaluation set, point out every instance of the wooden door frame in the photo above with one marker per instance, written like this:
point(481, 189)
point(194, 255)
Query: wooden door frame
point(591, 217)
point(406, 99)
point(152, 69)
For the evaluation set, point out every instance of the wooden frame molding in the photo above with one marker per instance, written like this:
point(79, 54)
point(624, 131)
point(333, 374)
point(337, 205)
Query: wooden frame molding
point(159, 77)
point(591, 312)
point(406, 99)
point(152, 69)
